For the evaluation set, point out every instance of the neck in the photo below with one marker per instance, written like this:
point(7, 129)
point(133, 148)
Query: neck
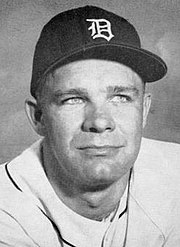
point(95, 204)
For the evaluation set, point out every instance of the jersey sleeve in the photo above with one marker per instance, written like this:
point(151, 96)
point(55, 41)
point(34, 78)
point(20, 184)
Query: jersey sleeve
point(12, 234)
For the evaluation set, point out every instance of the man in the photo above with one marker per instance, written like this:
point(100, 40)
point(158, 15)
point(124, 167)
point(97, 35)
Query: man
point(92, 180)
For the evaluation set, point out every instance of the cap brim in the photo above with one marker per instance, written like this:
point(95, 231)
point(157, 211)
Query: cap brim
point(147, 65)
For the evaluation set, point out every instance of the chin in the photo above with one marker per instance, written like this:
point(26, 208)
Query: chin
point(96, 185)
point(103, 176)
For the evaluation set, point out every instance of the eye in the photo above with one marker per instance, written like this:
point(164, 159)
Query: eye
point(73, 101)
point(121, 99)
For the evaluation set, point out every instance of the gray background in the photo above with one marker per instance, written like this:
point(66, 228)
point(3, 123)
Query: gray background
point(158, 23)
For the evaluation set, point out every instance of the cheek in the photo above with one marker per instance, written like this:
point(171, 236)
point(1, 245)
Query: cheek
point(130, 120)
point(129, 124)
point(62, 125)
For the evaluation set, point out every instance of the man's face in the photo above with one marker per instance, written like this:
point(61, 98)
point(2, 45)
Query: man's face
point(93, 121)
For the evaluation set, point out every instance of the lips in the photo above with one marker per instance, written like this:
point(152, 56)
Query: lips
point(105, 150)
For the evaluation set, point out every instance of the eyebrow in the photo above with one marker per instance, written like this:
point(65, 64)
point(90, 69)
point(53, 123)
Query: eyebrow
point(110, 90)
point(121, 89)
point(72, 91)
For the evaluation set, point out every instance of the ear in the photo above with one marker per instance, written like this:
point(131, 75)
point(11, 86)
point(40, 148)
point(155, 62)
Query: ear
point(34, 115)
point(146, 107)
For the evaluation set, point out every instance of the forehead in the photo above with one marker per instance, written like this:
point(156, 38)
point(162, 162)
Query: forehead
point(94, 74)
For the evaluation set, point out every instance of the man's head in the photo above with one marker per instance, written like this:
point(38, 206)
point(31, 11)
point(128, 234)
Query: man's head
point(92, 116)
point(88, 79)
point(91, 32)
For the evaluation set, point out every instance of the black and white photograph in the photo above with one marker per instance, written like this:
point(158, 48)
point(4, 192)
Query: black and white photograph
point(90, 123)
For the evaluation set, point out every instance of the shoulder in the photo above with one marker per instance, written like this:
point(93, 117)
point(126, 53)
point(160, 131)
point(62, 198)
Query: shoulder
point(156, 183)
point(161, 146)
point(22, 220)
point(160, 156)
point(13, 204)
point(11, 175)
point(159, 162)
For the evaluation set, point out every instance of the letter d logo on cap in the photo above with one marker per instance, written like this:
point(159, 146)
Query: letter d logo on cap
point(99, 27)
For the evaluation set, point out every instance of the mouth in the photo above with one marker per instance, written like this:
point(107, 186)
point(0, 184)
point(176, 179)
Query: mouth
point(102, 151)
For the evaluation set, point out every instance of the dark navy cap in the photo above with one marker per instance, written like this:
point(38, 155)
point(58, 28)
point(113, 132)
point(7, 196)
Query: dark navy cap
point(92, 33)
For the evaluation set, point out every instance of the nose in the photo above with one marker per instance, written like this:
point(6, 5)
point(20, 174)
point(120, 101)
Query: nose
point(98, 121)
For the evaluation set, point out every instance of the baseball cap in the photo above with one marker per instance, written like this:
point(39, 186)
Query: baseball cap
point(91, 32)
